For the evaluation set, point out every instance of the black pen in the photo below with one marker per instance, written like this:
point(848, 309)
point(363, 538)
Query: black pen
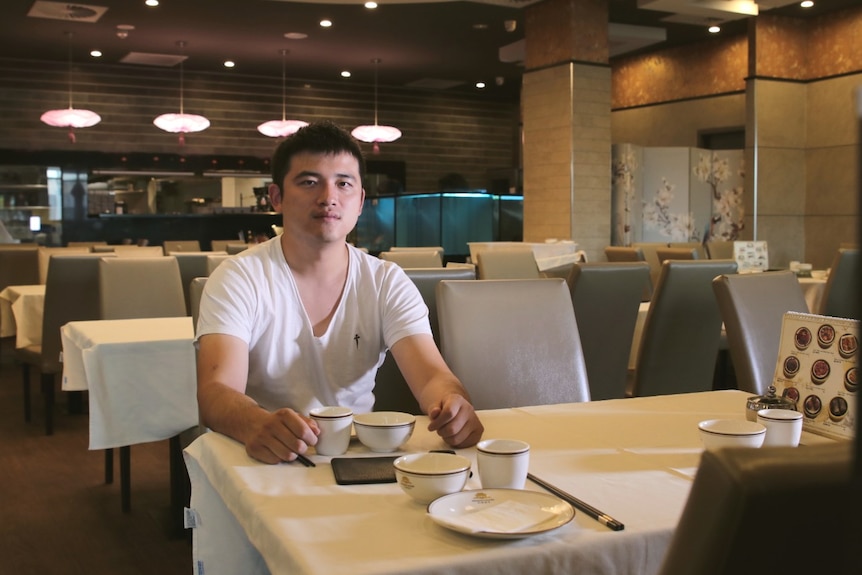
point(304, 460)
point(602, 518)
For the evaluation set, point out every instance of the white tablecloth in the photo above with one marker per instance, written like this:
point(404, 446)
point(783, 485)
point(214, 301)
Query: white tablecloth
point(813, 290)
point(140, 374)
point(21, 313)
point(633, 459)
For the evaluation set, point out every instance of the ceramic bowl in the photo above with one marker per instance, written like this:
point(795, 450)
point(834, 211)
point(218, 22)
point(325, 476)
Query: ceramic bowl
point(717, 433)
point(384, 431)
point(427, 476)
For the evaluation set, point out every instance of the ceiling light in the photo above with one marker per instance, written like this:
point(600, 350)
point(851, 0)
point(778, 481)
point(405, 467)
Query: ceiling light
point(281, 128)
point(480, 85)
point(807, 4)
point(714, 29)
point(152, 3)
point(70, 117)
point(123, 30)
point(229, 64)
point(181, 123)
point(295, 35)
point(371, 5)
point(376, 133)
point(325, 23)
point(345, 74)
point(96, 53)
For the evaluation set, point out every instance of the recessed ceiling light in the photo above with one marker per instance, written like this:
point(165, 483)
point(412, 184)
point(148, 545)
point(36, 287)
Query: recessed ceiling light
point(371, 5)
point(96, 53)
point(325, 23)
point(806, 4)
point(229, 63)
point(345, 74)
point(152, 3)
point(714, 29)
point(480, 26)
point(480, 85)
point(296, 36)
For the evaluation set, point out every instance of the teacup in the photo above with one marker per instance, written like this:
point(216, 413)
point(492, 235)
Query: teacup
point(335, 424)
point(503, 463)
point(783, 426)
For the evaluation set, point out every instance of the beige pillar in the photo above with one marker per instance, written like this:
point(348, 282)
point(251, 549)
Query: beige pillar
point(566, 124)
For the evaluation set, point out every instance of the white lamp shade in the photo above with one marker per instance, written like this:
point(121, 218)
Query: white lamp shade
point(181, 123)
point(71, 118)
point(280, 128)
point(376, 133)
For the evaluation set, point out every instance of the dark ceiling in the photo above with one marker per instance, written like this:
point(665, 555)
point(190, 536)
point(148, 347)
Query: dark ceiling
point(436, 45)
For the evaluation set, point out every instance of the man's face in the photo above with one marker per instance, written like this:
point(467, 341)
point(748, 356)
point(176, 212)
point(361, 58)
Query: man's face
point(322, 196)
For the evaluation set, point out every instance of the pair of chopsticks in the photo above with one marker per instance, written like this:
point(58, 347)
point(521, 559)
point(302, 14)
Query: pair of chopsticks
point(599, 516)
point(304, 460)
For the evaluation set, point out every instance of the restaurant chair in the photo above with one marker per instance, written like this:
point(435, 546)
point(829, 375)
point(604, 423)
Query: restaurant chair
point(138, 251)
point(430, 258)
point(507, 263)
point(563, 271)
point(71, 294)
point(665, 254)
point(233, 249)
point(651, 257)
point(682, 331)
point(769, 510)
point(753, 307)
point(221, 245)
point(181, 246)
point(391, 392)
point(841, 294)
point(698, 247)
point(719, 250)
point(45, 256)
point(213, 262)
point(86, 244)
point(631, 254)
point(141, 288)
point(606, 297)
point(512, 343)
point(18, 266)
point(192, 265)
point(196, 291)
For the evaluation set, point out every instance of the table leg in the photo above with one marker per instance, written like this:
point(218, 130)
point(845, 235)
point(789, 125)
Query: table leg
point(25, 381)
point(125, 478)
point(109, 466)
point(48, 396)
point(76, 402)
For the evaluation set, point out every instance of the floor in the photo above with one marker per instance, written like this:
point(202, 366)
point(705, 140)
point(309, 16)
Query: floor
point(57, 515)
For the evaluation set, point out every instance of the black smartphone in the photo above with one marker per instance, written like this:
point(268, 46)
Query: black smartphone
point(362, 470)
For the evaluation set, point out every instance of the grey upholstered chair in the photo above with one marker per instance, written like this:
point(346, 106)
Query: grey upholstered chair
point(193, 265)
point(45, 256)
point(141, 288)
point(632, 254)
point(753, 307)
point(742, 497)
point(221, 245)
point(391, 392)
point(196, 290)
point(682, 332)
point(606, 297)
point(429, 258)
point(698, 247)
point(719, 250)
point(214, 260)
point(71, 294)
point(19, 265)
point(841, 294)
point(664, 254)
point(651, 257)
point(512, 342)
point(181, 246)
point(507, 263)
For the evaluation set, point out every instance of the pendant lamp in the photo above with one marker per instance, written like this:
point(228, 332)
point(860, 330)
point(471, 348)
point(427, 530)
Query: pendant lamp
point(376, 133)
point(70, 117)
point(281, 128)
point(181, 123)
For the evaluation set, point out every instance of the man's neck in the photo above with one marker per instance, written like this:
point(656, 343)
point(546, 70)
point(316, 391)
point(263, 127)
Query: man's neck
point(322, 259)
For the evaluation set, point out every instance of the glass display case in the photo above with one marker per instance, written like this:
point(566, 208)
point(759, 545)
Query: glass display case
point(29, 202)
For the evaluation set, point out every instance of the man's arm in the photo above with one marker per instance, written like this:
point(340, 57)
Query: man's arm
point(438, 391)
point(224, 406)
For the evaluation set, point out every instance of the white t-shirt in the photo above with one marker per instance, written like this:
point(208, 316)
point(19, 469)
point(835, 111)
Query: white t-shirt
point(253, 296)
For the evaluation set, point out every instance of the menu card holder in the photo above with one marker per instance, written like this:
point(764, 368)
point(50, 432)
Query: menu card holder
point(751, 256)
point(817, 370)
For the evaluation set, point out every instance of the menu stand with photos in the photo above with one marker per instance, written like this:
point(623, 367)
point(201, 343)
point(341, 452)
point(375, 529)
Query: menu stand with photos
point(817, 370)
point(751, 256)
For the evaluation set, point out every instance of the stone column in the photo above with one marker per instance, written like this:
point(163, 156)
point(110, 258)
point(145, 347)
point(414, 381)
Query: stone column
point(566, 115)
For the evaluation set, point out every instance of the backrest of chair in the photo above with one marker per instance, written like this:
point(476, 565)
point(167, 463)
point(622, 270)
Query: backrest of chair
point(841, 294)
point(18, 266)
point(665, 254)
point(196, 290)
point(744, 501)
point(512, 342)
point(45, 257)
point(698, 247)
point(507, 263)
point(682, 330)
point(606, 297)
point(213, 261)
point(719, 250)
point(181, 246)
point(86, 244)
point(651, 257)
point(141, 287)
point(414, 258)
point(233, 249)
point(563, 271)
point(753, 307)
point(426, 280)
point(137, 251)
point(192, 265)
point(221, 245)
point(631, 254)
point(71, 294)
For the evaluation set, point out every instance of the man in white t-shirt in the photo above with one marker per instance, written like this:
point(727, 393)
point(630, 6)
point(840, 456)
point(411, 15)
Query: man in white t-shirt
point(304, 319)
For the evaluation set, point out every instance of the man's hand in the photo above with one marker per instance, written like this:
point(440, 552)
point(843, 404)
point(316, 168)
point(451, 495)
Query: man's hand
point(455, 420)
point(280, 436)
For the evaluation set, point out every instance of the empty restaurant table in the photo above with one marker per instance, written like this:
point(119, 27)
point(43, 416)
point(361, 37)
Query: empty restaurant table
point(21, 313)
point(633, 459)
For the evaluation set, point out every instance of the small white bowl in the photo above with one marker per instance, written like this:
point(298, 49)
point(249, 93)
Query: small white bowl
point(384, 431)
point(716, 433)
point(427, 476)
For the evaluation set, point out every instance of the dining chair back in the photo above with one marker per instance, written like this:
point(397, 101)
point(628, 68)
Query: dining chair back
point(742, 497)
point(138, 251)
point(632, 254)
point(650, 250)
point(141, 288)
point(606, 297)
point(19, 266)
point(192, 265)
point(71, 294)
point(221, 245)
point(682, 331)
point(719, 250)
point(196, 291)
point(753, 307)
point(45, 257)
point(233, 249)
point(698, 247)
point(181, 246)
point(841, 294)
point(213, 261)
point(665, 254)
point(86, 244)
point(391, 392)
point(430, 258)
point(507, 263)
point(512, 342)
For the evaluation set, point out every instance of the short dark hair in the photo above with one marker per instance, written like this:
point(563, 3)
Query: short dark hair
point(324, 137)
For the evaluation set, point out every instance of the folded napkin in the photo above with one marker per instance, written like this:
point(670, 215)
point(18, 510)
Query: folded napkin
point(505, 517)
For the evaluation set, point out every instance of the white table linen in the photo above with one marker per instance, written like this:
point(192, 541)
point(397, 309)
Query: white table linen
point(21, 310)
point(812, 289)
point(634, 459)
point(140, 374)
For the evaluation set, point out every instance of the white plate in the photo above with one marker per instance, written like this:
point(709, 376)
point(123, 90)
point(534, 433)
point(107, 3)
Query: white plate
point(468, 512)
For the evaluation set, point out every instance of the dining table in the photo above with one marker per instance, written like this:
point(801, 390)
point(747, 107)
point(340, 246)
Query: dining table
point(21, 310)
point(633, 459)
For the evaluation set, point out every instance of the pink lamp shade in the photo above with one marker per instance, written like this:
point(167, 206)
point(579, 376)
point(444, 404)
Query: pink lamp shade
point(375, 134)
point(280, 128)
point(71, 118)
point(181, 124)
